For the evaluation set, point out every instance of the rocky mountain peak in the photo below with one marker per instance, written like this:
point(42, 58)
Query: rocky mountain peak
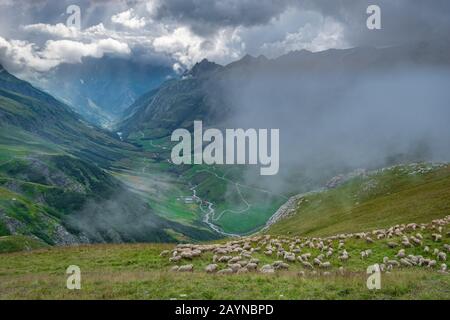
point(202, 68)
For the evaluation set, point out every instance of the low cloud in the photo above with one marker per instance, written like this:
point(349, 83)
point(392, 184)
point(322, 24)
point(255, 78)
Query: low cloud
point(22, 54)
point(129, 19)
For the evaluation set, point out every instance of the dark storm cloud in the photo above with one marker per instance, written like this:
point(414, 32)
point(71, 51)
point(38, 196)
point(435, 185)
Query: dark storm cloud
point(402, 20)
point(186, 31)
point(206, 16)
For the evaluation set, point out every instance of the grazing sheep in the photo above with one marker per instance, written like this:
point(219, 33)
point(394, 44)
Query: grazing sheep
point(406, 243)
point(325, 265)
point(186, 255)
point(426, 249)
point(306, 256)
point(251, 266)
point(317, 261)
point(243, 262)
point(282, 266)
point(254, 260)
point(225, 271)
point(413, 259)
point(235, 259)
point(164, 253)
point(307, 265)
point(369, 240)
point(175, 259)
point(406, 262)
point(442, 256)
point(289, 257)
point(268, 252)
point(174, 268)
point(301, 273)
point(401, 253)
point(211, 268)
point(366, 253)
point(242, 270)
point(344, 256)
point(246, 255)
point(186, 268)
point(234, 266)
point(416, 240)
point(267, 269)
point(392, 244)
point(224, 259)
point(436, 237)
point(196, 253)
point(432, 263)
point(393, 263)
point(443, 268)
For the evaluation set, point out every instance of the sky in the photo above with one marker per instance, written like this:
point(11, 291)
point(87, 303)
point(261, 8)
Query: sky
point(34, 36)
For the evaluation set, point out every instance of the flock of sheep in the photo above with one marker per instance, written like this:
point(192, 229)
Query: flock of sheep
point(238, 256)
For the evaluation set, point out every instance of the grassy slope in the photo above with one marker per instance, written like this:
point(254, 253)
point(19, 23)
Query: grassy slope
point(19, 243)
point(138, 272)
point(393, 196)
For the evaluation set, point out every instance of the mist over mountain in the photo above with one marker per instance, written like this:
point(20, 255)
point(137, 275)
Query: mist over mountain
point(101, 89)
point(337, 110)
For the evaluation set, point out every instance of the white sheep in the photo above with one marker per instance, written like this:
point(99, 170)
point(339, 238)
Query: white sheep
point(164, 253)
point(401, 253)
point(186, 268)
point(211, 268)
point(267, 269)
point(225, 271)
point(252, 266)
point(234, 266)
point(442, 256)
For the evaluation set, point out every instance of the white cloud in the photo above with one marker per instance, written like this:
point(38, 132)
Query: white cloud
point(144, 32)
point(187, 48)
point(72, 51)
point(329, 34)
point(58, 30)
point(129, 19)
point(152, 6)
point(25, 55)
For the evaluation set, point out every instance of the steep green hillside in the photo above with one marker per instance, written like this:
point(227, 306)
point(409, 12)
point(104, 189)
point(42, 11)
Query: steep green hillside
point(55, 176)
point(405, 193)
point(176, 104)
point(19, 243)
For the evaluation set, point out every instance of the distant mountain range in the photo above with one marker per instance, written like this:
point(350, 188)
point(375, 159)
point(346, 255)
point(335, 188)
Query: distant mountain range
point(201, 93)
point(101, 89)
